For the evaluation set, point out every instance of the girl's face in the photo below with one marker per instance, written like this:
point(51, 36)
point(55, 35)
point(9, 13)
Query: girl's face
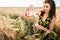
point(46, 7)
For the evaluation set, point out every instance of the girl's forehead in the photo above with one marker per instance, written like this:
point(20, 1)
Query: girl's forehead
point(46, 4)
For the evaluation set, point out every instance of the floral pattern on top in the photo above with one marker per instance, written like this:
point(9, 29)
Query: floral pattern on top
point(45, 23)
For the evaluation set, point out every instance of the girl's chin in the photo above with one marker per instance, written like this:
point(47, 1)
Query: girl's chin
point(45, 11)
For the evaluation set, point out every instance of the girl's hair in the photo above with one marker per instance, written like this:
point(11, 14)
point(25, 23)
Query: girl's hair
point(52, 11)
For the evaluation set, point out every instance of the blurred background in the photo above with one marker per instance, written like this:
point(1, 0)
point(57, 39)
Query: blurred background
point(11, 22)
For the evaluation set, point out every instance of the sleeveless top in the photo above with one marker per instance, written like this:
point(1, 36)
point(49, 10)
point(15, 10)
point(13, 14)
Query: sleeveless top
point(45, 23)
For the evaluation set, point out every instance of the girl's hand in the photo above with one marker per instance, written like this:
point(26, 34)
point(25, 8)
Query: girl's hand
point(38, 12)
point(48, 31)
point(39, 27)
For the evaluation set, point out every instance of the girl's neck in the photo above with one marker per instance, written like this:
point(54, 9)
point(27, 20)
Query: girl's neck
point(46, 13)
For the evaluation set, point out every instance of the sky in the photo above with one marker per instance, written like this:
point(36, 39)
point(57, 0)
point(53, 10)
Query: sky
point(24, 3)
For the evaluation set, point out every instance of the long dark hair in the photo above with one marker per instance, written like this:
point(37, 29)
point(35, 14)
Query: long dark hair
point(52, 11)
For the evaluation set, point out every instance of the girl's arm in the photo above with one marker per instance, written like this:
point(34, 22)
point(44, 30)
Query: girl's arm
point(52, 24)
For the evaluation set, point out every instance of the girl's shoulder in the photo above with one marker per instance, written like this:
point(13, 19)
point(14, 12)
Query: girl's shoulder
point(53, 19)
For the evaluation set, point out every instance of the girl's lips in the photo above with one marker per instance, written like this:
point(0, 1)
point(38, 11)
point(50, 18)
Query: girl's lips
point(44, 10)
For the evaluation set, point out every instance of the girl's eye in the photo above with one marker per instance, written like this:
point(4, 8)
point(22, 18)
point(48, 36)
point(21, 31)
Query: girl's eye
point(46, 6)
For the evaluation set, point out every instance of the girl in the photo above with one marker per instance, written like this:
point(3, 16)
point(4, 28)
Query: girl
point(47, 18)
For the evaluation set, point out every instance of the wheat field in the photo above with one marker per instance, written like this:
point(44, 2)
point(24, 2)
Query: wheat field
point(21, 10)
point(7, 25)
